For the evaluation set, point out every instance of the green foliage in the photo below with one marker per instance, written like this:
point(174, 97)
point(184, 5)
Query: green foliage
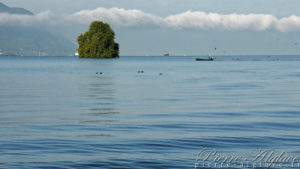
point(98, 42)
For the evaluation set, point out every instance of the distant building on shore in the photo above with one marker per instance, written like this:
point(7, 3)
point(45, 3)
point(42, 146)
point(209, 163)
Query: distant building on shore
point(4, 54)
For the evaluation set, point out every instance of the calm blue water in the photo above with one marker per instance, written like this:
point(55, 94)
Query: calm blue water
point(56, 112)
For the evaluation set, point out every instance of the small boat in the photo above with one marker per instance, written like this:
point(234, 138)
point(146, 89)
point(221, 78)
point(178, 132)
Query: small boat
point(167, 54)
point(206, 59)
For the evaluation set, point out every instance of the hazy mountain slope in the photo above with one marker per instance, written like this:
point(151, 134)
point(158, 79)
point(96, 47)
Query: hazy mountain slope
point(33, 41)
point(23, 40)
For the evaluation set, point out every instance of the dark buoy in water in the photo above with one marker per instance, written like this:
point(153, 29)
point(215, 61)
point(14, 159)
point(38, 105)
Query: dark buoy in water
point(101, 73)
point(160, 74)
point(142, 71)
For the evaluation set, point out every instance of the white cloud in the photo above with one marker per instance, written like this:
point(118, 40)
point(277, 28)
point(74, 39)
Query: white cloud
point(197, 20)
point(116, 16)
point(289, 24)
point(202, 20)
point(24, 20)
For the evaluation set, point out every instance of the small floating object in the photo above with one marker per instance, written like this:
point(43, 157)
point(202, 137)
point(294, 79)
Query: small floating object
point(160, 74)
point(97, 73)
point(101, 73)
point(205, 59)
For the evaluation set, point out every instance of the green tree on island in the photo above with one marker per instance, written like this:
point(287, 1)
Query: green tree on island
point(98, 42)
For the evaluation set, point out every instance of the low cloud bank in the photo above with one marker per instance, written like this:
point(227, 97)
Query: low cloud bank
point(197, 20)
point(116, 16)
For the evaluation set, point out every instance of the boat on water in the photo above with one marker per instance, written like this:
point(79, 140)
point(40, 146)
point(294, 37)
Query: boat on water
point(167, 54)
point(205, 59)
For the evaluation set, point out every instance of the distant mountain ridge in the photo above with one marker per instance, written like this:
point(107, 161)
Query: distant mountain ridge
point(14, 10)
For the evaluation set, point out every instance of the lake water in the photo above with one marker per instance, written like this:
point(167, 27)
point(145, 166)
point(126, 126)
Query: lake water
point(56, 112)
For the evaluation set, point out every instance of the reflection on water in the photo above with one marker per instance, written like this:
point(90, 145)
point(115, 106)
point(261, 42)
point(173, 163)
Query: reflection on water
point(98, 93)
point(56, 112)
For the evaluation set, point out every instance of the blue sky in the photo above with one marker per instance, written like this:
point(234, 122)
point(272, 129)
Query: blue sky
point(189, 27)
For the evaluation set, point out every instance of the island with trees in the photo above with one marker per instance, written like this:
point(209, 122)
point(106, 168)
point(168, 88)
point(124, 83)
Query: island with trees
point(98, 42)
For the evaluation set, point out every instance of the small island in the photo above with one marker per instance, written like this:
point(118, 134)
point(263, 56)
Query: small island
point(98, 42)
